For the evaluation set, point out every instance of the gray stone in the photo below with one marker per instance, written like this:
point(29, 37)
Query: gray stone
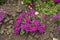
point(11, 21)
point(31, 38)
point(51, 35)
point(37, 36)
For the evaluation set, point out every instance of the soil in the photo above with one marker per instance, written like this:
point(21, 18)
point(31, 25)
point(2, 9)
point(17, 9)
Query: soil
point(6, 30)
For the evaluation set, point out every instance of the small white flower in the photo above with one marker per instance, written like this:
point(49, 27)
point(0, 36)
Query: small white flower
point(36, 13)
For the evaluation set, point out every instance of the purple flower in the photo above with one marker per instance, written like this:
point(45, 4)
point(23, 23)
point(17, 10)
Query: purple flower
point(26, 27)
point(1, 10)
point(17, 30)
point(43, 15)
point(2, 16)
point(55, 17)
point(31, 12)
point(33, 29)
point(31, 5)
point(43, 25)
point(56, 1)
point(58, 28)
point(36, 22)
point(8, 12)
point(17, 23)
point(1, 19)
point(41, 28)
point(27, 20)
point(21, 15)
point(58, 15)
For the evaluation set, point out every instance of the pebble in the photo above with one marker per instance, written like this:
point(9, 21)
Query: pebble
point(11, 21)
point(9, 26)
point(55, 39)
point(6, 20)
point(31, 38)
point(37, 36)
point(51, 35)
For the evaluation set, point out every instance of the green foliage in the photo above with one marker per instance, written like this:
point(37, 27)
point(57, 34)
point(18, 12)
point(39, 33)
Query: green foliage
point(51, 2)
point(58, 6)
point(37, 6)
point(58, 21)
point(48, 8)
point(22, 32)
point(27, 1)
point(49, 11)
point(2, 1)
point(39, 17)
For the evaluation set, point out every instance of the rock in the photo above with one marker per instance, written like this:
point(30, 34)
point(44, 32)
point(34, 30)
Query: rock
point(9, 31)
point(6, 20)
point(31, 38)
point(55, 39)
point(37, 36)
point(9, 26)
point(51, 35)
point(11, 21)
point(32, 34)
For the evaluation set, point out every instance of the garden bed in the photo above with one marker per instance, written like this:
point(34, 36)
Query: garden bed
point(45, 11)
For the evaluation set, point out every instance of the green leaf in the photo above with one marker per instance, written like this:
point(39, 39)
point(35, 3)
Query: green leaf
point(51, 3)
point(27, 1)
point(1, 0)
point(40, 18)
point(22, 32)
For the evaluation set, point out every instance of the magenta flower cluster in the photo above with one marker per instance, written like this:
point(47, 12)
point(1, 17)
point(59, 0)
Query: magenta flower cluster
point(31, 5)
point(43, 15)
point(18, 22)
point(56, 1)
point(56, 16)
point(2, 16)
point(58, 28)
point(29, 24)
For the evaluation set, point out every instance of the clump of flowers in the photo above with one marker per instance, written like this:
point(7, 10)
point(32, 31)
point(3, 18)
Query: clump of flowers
point(18, 22)
point(31, 5)
point(57, 18)
point(29, 23)
point(2, 16)
point(58, 28)
point(56, 1)
point(31, 12)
